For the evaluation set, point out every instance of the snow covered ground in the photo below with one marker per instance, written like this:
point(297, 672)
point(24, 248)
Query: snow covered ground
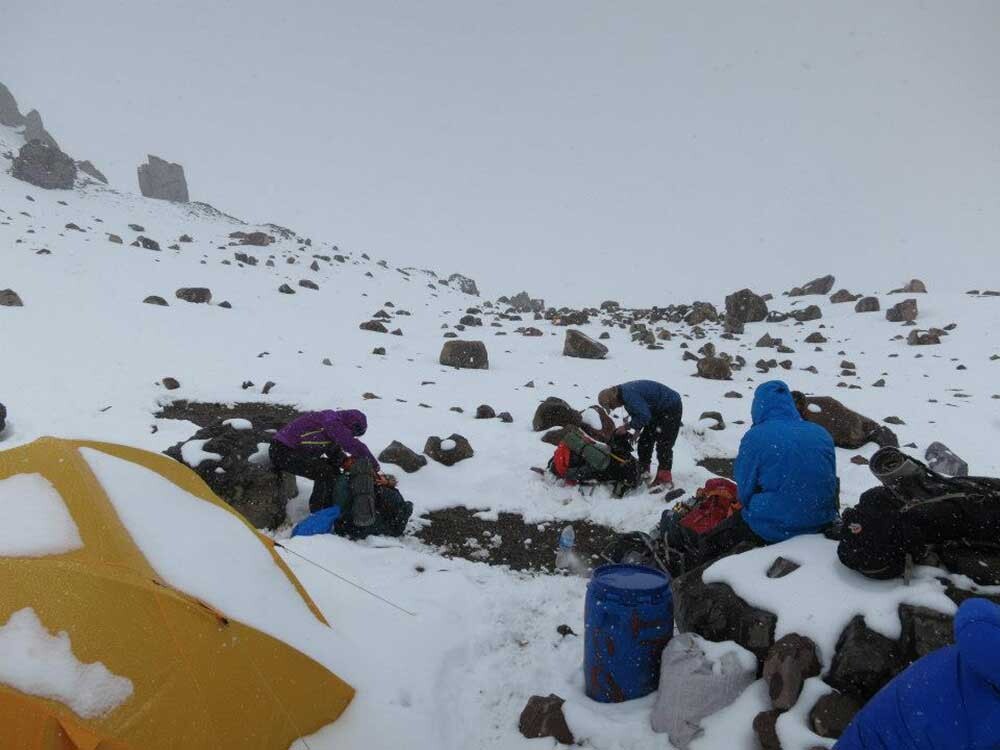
point(85, 358)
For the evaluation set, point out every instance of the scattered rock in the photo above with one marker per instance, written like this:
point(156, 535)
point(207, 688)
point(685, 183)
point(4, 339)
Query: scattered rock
point(543, 717)
point(154, 299)
point(790, 662)
point(943, 460)
point(843, 295)
point(902, 312)
point(867, 305)
point(163, 180)
point(505, 417)
point(832, 714)
point(196, 294)
point(373, 326)
point(580, 345)
point(10, 298)
point(714, 368)
point(114, 238)
point(485, 411)
point(285, 289)
point(913, 286)
point(745, 306)
point(716, 417)
point(171, 384)
point(449, 451)
point(405, 458)
point(781, 567)
point(464, 284)
point(812, 312)
point(848, 428)
point(822, 285)
point(923, 338)
point(815, 338)
point(864, 661)
point(471, 355)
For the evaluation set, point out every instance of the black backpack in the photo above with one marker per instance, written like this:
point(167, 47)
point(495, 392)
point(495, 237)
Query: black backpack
point(915, 513)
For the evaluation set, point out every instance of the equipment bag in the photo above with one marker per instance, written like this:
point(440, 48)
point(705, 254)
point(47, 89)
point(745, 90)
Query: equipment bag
point(715, 502)
point(596, 455)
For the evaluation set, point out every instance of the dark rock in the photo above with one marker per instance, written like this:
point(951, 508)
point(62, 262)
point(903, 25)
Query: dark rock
point(137, 227)
point(154, 299)
point(10, 298)
point(922, 338)
point(406, 459)
point(185, 238)
point(114, 238)
point(813, 312)
point(790, 662)
point(529, 331)
point(894, 421)
point(44, 166)
point(554, 412)
point(163, 180)
point(448, 456)
point(267, 387)
point(716, 613)
point(485, 411)
point(471, 320)
point(307, 284)
point(580, 345)
point(822, 285)
point(902, 312)
point(721, 467)
point(847, 428)
point(720, 423)
point(171, 384)
point(923, 631)
point(765, 727)
point(843, 295)
point(505, 417)
point(864, 661)
point(714, 368)
point(3, 409)
point(373, 326)
point(196, 294)
point(867, 305)
point(745, 307)
point(285, 289)
point(91, 171)
point(913, 286)
point(733, 394)
point(781, 567)
point(767, 342)
point(250, 487)
point(147, 243)
point(543, 717)
point(815, 338)
point(943, 460)
point(832, 714)
point(471, 355)
point(246, 259)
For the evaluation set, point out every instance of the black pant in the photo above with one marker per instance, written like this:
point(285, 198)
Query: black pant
point(322, 469)
point(724, 539)
point(662, 430)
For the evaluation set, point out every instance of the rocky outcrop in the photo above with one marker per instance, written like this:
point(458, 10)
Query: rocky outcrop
point(464, 284)
point(91, 171)
point(822, 285)
point(231, 456)
point(902, 312)
point(44, 166)
point(10, 114)
point(469, 355)
point(580, 345)
point(554, 412)
point(405, 458)
point(34, 130)
point(163, 180)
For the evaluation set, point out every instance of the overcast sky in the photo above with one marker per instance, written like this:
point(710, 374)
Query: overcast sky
point(644, 151)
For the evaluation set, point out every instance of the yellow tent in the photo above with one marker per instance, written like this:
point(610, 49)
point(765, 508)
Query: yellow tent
point(201, 680)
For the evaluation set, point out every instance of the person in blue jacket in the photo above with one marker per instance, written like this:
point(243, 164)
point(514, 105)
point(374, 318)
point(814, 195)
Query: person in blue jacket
point(786, 474)
point(655, 412)
point(948, 700)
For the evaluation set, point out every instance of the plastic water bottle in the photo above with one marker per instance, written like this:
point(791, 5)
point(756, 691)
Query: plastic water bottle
point(566, 553)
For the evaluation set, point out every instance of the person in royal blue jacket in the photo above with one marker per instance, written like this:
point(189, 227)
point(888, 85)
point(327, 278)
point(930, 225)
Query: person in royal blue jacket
point(655, 413)
point(948, 700)
point(786, 474)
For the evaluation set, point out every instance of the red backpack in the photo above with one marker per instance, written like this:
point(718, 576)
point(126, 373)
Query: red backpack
point(716, 502)
point(561, 460)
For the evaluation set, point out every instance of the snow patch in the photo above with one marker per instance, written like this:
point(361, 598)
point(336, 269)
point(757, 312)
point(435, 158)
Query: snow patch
point(34, 520)
point(194, 454)
point(239, 424)
point(38, 663)
point(592, 419)
point(448, 444)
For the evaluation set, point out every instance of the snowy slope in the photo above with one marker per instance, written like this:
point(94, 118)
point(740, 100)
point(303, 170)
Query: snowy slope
point(85, 358)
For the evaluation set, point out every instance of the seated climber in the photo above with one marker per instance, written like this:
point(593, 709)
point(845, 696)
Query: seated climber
point(948, 700)
point(786, 475)
point(317, 445)
point(655, 412)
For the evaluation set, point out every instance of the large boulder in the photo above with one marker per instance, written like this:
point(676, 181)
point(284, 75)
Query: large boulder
point(790, 662)
point(554, 412)
point(10, 114)
point(864, 661)
point(701, 312)
point(580, 345)
point(232, 457)
point(848, 428)
point(468, 355)
point(867, 305)
point(716, 613)
point(164, 180)
point(449, 451)
point(197, 294)
point(822, 285)
point(44, 166)
point(902, 312)
point(405, 458)
point(464, 284)
point(34, 130)
point(714, 368)
point(745, 307)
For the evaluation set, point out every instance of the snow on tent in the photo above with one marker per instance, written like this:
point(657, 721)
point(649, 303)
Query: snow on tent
point(138, 611)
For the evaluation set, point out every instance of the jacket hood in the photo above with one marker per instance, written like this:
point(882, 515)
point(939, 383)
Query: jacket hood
point(355, 421)
point(977, 634)
point(773, 400)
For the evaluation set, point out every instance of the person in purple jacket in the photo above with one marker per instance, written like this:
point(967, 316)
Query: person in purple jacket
point(319, 445)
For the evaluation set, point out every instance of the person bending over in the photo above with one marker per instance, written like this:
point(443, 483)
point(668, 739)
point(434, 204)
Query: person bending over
point(655, 413)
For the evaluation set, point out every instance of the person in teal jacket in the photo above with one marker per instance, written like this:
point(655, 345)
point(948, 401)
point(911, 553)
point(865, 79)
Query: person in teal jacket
point(786, 475)
point(948, 700)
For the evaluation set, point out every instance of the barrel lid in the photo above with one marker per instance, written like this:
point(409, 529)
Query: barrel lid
point(632, 578)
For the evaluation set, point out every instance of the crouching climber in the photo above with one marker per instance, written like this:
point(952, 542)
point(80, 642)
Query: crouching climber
point(786, 477)
point(317, 446)
point(948, 700)
point(655, 412)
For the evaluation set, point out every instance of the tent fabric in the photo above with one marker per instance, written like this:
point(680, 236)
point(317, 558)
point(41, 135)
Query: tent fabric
point(201, 679)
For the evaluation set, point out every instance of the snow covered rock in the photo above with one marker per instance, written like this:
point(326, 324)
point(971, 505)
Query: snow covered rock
point(223, 460)
point(44, 166)
point(847, 428)
point(902, 312)
point(554, 412)
point(822, 285)
point(543, 717)
point(745, 306)
point(913, 286)
point(164, 180)
point(579, 344)
point(449, 451)
point(469, 355)
point(405, 458)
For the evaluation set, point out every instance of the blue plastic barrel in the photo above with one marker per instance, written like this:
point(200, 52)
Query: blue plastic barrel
point(628, 619)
